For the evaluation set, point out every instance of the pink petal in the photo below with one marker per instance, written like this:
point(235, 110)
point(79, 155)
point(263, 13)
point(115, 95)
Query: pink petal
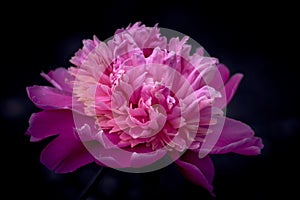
point(237, 137)
point(81, 55)
point(230, 89)
point(109, 140)
point(48, 123)
point(224, 72)
point(49, 98)
point(199, 171)
point(231, 86)
point(120, 158)
point(145, 159)
point(220, 77)
point(65, 153)
point(60, 78)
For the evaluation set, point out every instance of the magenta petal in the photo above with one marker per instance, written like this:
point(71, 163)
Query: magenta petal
point(232, 85)
point(118, 158)
point(237, 137)
point(224, 72)
point(220, 77)
point(48, 123)
point(60, 78)
point(49, 98)
point(199, 171)
point(229, 90)
point(65, 153)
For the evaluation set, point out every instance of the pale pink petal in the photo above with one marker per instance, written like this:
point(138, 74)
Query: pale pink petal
point(135, 158)
point(81, 55)
point(198, 171)
point(144, 159)
point(144, 37)
point(109, 140)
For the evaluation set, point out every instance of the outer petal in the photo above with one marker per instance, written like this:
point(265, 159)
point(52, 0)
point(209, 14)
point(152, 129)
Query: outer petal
point(232, 85)
point(104, 147)
point(60, 78)
point(229, 90)
point(81, 55)
point(199, 171)
point(49, 98)
point(118, 158)
point(48, 123)
point(224, 72)
point(237, 137)
point(65, 153)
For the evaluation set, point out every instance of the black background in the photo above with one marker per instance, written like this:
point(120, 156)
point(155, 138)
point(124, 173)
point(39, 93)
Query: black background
point(257, 40)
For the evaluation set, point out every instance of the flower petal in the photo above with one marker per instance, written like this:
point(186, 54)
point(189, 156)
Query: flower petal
point(81, 55)
point(120, 158)
point(224, 72)
point(229, 90)
point(237, 137)
point(65, 153)
point(48, 123)
point(49, 98)
point(199, 171)
point(232, 85)
point(60, 78)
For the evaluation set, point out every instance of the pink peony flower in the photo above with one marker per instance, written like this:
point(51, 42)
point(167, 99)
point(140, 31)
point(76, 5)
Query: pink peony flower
point(137, 103)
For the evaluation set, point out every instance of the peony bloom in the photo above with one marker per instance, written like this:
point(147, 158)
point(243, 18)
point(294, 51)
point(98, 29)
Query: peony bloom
point(137, 103)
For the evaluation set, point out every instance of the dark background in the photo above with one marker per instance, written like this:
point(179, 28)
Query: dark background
point(257, 40)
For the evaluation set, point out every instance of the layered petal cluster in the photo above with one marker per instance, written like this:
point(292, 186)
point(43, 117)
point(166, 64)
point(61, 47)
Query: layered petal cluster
point(139, 101)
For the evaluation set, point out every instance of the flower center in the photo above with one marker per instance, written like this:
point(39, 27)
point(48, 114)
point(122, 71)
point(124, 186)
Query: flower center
point(148, 107)
point(152, 93)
